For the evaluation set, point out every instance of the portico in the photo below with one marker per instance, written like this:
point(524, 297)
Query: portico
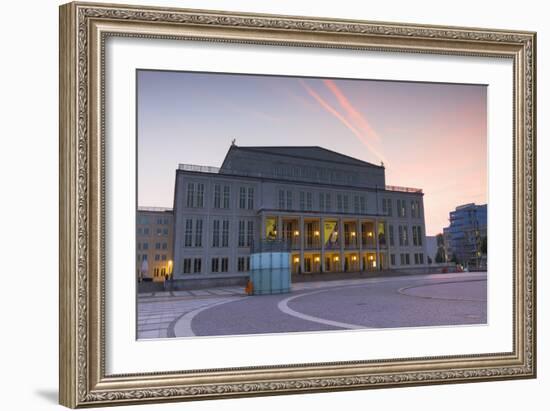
point(329, 243)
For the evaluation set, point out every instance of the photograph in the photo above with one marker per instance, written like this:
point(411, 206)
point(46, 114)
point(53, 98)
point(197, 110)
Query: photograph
point(285, 204)
point(262, 203)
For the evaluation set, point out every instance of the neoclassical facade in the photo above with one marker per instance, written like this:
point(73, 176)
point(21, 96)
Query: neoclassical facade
point(335, 213)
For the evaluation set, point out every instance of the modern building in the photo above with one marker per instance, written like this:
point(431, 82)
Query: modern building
point(154, 243)
point(466, 236)
point(335, 212)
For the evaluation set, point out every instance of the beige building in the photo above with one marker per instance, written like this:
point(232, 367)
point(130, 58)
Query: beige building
point(154, 243)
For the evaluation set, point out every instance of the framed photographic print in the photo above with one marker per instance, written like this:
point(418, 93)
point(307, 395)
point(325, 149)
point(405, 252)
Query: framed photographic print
point(259, 204)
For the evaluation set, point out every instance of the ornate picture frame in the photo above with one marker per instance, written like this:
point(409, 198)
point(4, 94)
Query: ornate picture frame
point(84, 28)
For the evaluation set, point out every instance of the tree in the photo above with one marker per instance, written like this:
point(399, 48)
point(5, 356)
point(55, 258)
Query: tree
point(440, 256)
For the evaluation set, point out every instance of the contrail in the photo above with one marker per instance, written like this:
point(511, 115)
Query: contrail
point(352, 112)
point(343, 120)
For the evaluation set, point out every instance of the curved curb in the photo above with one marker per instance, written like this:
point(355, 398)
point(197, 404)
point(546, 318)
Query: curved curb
point(181, 326)
point(403, 289)
point(284, 308)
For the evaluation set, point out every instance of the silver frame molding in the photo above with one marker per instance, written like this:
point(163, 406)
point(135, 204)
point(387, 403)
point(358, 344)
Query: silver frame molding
point(83, 30)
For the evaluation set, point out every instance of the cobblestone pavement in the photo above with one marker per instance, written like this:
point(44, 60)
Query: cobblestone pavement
point(383, 302)
point(157, 311)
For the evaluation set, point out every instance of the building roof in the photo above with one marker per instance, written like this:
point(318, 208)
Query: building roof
point(303, 152)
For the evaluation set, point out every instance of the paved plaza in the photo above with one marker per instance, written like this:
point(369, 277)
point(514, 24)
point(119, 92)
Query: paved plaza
point(382, 302)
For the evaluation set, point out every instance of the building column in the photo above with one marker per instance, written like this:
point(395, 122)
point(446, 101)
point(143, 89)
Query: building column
point(341, 239)
point(360, 242)
point(302, 241)
point(279, 227)
point(377, 244)
point(322, 239)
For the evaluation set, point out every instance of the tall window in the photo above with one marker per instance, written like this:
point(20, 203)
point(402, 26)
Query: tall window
point(190, 194)
point(241, 233)
point(226, 196)
point(392, 259)
point(390, 229)
point(419, 234)
point(197, 265)
point(363, 205)
point(289, 199)
point(402, 208)
point(415, 209)
point(302, 200)
point(322, 201)
point(225, 265)
point(250, 233)
point(198, 233)
point(200, 195)
point(309, 201)
point(401, 241)
point(328, 205)
point(188, 238)
point(406, 235)
point(415, 236)
point(225, 233)
point(282, 199)
point(250, 198)
point(217, 196)
point(241, 264)
point(339, 203)
point(215, 265)
point(186, 265)
point(216, 233)
point(195, 195)
point(356, 204)
point(242, 197)
point(346, 203)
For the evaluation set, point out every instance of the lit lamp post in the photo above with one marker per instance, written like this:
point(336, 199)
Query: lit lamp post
point(169, 276)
